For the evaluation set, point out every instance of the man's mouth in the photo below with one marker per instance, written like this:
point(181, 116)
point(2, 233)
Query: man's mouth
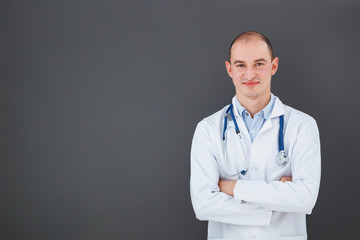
point(250, 84)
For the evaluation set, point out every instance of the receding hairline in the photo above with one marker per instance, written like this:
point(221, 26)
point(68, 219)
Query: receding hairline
point(250, 36)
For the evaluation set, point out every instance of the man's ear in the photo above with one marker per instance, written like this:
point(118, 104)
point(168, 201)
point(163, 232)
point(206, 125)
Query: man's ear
point(274, 65)
point(228, 68)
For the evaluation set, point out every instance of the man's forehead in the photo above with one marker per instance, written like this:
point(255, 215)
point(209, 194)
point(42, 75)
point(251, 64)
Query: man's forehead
point(250, 50)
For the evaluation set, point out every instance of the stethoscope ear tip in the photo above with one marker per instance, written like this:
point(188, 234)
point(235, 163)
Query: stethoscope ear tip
point(243, 172)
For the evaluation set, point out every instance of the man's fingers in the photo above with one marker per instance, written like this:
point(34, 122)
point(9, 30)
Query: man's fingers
point(285, 179)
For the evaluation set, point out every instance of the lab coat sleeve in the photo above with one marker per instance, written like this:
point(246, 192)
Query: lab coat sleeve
point(208, 202)
point(298, 195)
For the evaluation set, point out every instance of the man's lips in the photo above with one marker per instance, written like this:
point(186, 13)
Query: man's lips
point(250, 84)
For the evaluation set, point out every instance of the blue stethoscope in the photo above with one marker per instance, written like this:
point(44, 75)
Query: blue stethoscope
point(281, 158)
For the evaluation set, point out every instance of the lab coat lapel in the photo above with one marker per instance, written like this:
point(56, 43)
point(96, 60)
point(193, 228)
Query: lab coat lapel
point(277, 111)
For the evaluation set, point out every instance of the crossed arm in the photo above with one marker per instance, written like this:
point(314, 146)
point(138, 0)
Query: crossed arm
point(227, 186)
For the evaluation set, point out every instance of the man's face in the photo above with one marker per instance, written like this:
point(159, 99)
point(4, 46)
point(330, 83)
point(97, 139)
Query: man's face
point(251, 68)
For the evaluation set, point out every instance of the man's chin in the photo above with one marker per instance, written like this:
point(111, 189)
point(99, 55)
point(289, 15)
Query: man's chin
point(252, 95)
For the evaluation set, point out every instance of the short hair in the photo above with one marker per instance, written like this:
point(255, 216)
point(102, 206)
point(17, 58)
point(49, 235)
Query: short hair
point(250, 34)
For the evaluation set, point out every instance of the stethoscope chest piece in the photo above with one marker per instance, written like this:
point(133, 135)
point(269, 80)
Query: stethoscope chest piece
point(281, 158)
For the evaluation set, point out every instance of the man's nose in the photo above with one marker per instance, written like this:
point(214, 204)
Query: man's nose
point(250, 73)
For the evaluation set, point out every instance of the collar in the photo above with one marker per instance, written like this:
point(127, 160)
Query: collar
point(273, 109)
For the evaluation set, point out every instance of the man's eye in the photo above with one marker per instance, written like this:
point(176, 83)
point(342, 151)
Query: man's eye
point(259, 64)
point(241, 65)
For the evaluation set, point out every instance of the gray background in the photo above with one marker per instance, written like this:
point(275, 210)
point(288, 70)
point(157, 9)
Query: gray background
point(99, 101)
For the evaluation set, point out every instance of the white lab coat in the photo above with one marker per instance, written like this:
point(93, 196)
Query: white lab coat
point(262, 207)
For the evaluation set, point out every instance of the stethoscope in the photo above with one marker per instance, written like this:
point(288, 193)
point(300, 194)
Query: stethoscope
point(281, 158)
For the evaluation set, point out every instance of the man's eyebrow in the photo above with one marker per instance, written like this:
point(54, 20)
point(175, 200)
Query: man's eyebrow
point(238, 61)
point(260, 60)
point(257, 60)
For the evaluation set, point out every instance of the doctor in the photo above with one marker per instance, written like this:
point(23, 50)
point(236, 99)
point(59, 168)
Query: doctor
point(255, 164)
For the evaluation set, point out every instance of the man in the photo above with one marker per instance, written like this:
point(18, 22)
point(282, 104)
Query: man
point(255, 164)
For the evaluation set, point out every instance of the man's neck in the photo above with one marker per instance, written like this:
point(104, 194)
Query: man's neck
point(253, 105)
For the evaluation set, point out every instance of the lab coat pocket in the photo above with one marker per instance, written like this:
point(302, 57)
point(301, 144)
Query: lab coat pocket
point(299, 237)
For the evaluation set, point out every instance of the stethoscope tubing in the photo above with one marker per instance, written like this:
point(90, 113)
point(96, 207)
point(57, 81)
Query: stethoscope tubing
point(281, 134)
point(237, 130)
point(283, 158)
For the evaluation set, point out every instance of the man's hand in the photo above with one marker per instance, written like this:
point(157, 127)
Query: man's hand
point(285, 179)
point(227, 186)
